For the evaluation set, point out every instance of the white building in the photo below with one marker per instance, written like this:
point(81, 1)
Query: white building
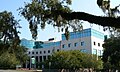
point(88, 41)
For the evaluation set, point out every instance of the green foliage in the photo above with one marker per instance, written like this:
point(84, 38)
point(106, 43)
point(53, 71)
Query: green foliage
point(109, 12)
point(59, 14)
point(111, 53)
point(8, 28)
point(21, 54)
point(91, 61)
point(47, 12)
point(105, 6)
point(73, 60)
point(10, 57)
point(8, 60)
point(11, 53)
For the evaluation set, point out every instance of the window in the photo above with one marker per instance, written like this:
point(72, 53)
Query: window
point(44, 57)
point(75, 44)
point(40, 58)
point(94, 43)
point(82, 43)
point(98, 44)
point(83, 50)
point(40, 52)
point(36, 52)
point(99, 52)
point(44, 51)
point(48, 51)
point(28, 52)
point(36, 58)
point(48, 56)
point(69, 45)
point(32, 52)
point(63, 46)
point(57, 49)
point(94, 51)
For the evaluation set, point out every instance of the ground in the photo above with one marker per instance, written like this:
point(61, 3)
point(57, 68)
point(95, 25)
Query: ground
point(20, 71)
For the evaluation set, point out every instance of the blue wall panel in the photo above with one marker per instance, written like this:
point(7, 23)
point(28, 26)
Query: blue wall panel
point(85, 33)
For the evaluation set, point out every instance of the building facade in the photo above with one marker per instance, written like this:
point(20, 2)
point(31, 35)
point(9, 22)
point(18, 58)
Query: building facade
point(88, 41)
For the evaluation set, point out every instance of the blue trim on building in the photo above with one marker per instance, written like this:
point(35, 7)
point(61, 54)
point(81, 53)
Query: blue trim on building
point(51, 44)
point(73, 35)
point(38, 44)
point(27, 43)
point(85, 33)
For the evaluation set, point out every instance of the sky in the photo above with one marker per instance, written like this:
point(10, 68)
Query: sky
point(88, 6)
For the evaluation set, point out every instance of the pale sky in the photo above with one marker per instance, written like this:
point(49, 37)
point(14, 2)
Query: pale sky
point(88, 6)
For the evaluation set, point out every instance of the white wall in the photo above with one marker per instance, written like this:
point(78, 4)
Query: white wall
point(86, 40)
point(97, 40)
point(88, 46)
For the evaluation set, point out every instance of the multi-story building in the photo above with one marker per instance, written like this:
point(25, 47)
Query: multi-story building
point(88, 41)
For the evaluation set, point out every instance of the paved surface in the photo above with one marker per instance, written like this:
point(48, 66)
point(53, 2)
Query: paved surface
point(20, 71)
point(14, 71)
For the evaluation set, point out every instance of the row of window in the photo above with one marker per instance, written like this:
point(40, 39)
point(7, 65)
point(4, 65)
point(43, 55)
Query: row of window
point(40, 52)
point(75, 44)
point(80, 35)
point(97, 44)
point(98, 52)
point(41, 58)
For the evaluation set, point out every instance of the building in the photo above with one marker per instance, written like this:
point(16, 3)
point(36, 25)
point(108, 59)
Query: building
point(88, 41)
point(27, 43)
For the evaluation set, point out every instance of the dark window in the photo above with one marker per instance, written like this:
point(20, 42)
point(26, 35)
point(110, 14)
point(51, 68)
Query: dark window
point(40, 58)
point(63, 46)
point(82, 43)
point(75, 44)
point(105, 37)
point(40, 52)
point(48, 56)
point(32, 52)
point(36, 58)
point(57, 49)
point(36, 52)
point(98, 44)
point(48, 51)
point(28, 52)
point(44, 51)
point(69, 44)
point(44, 57)
point(94, 43)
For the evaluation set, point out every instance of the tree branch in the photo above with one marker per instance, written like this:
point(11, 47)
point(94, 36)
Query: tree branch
point(103, 21)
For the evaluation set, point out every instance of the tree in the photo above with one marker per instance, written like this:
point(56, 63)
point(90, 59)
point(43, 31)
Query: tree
point(8, 60)
point(8, 29)
point(59, 14)
point(73, 60)
point(111, 54)
point(21, 54)
point(10, 57)
point(11, 53)
point(13, 56)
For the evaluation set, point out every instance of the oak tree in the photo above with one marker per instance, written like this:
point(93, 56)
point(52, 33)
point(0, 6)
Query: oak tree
point(58, 13)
